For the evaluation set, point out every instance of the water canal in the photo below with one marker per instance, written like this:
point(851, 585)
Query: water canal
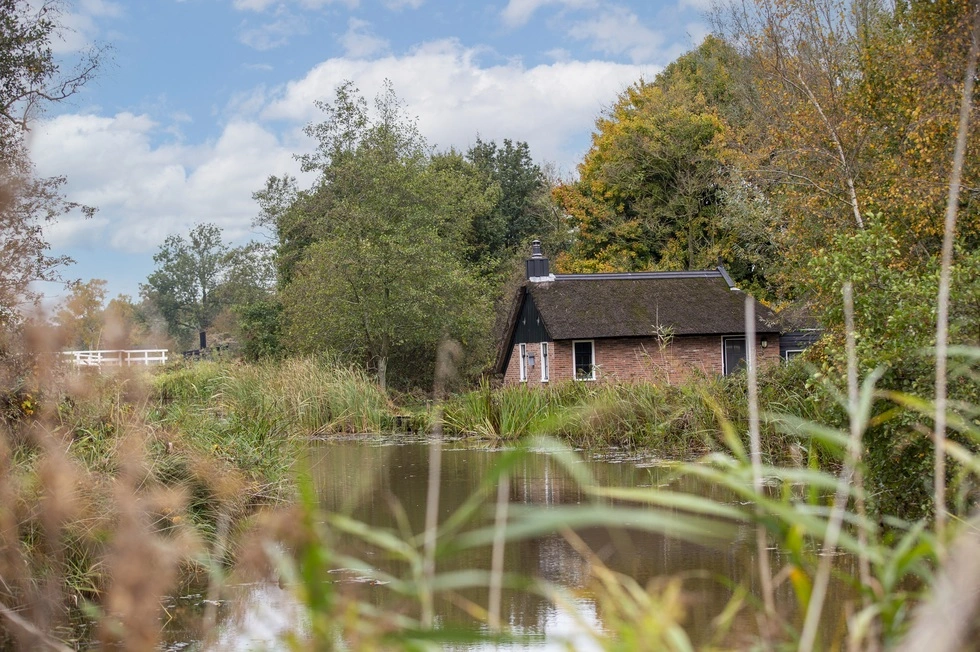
point(383, 483)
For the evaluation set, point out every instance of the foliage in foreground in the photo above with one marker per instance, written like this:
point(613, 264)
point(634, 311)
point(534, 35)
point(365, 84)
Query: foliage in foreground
point(891, 569)
point(112, 496)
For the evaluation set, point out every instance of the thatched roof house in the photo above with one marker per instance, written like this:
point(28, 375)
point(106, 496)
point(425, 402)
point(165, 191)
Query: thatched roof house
point(629, 326)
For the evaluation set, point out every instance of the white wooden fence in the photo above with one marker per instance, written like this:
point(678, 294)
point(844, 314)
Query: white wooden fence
point(117, 357)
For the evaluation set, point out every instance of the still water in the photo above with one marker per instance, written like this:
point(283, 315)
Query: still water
point(383, 482)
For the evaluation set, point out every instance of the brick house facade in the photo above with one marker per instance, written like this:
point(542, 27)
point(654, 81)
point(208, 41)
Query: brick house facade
point(653, 326)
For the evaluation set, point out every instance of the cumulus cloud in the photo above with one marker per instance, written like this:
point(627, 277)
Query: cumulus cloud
point(147, 184)
point(519, 12)
point(455, 98)
point(360, 42)
point(146, 189)
point(619, 31)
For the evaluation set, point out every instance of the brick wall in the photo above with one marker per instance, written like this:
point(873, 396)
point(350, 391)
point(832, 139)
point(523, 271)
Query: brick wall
point(641, 358)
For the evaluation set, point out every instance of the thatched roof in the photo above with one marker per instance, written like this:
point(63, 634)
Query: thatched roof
point(587, 306)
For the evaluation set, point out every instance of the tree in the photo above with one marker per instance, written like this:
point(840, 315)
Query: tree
point(80, 316)
point(853, 104)
point(384, 280)
point(282, 210)
point(187, 275)
point(201, 278)
point(803, 54)
point(522, 210)
point(648, 190)
point(31, 79)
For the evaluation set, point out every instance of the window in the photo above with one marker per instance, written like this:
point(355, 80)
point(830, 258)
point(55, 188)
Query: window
point(789, 354)
point(583, 360)
point(545, 371)
point(522, 348)
point(734, 354)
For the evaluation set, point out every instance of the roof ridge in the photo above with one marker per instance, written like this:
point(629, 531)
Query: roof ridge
point(705, 273)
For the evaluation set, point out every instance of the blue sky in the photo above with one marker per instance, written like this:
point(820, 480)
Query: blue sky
point(204, 99)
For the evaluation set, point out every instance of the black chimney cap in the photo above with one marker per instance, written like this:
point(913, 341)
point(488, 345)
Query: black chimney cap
point(536, 249)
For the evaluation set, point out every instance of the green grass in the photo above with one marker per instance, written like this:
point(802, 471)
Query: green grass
point(673, 421)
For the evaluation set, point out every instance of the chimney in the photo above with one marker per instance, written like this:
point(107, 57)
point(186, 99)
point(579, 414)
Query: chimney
point(537, 264)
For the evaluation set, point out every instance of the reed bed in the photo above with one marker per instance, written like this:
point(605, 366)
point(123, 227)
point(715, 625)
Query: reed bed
point(302, 396)
point(671, 420)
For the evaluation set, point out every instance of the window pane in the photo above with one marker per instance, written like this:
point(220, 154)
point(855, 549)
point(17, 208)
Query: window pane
point(522, 348)
point(545, 372)
point(735, 354)
point(583, 360)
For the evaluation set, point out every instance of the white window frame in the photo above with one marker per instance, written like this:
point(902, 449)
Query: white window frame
point(785, 355)
point(545, 352)
point(575, 364)
point(522, 357)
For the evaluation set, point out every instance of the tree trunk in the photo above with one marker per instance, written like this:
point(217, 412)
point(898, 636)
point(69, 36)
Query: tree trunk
point(383, 373)
point(383, 362)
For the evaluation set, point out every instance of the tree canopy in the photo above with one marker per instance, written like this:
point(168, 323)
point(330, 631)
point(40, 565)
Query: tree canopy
point(200, 276)
point(647, 194)
point(380, 277)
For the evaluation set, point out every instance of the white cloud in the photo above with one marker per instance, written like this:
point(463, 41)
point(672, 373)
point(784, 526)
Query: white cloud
point(698, 32)
point(273, 34)
point(360, 42)
point(397, 5)
point(262, 5)
point(145, 191)
point(77, 30)
point(147, 184)
point(454, 98)
point(519, 12)
point(619, 31)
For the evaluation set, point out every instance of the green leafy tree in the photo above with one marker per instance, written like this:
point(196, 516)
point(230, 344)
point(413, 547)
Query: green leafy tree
point(522, 210)
point(200, 278)
point(286, 211)
point(895, 328)
point(189, 271)
point(648, 190)
point(384, 280)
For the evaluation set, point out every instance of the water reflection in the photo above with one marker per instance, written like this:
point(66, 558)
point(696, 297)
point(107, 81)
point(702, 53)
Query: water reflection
point(383, 483)
point(385, 486)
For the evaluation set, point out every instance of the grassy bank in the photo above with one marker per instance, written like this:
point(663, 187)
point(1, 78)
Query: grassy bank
point(673, 421)
point(119, 485)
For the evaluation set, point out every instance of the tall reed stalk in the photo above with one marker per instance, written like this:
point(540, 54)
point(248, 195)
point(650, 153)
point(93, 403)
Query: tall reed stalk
point(942, 313)
point(761, 536)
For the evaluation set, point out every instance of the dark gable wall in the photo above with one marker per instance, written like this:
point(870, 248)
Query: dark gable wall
point(529, 327)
